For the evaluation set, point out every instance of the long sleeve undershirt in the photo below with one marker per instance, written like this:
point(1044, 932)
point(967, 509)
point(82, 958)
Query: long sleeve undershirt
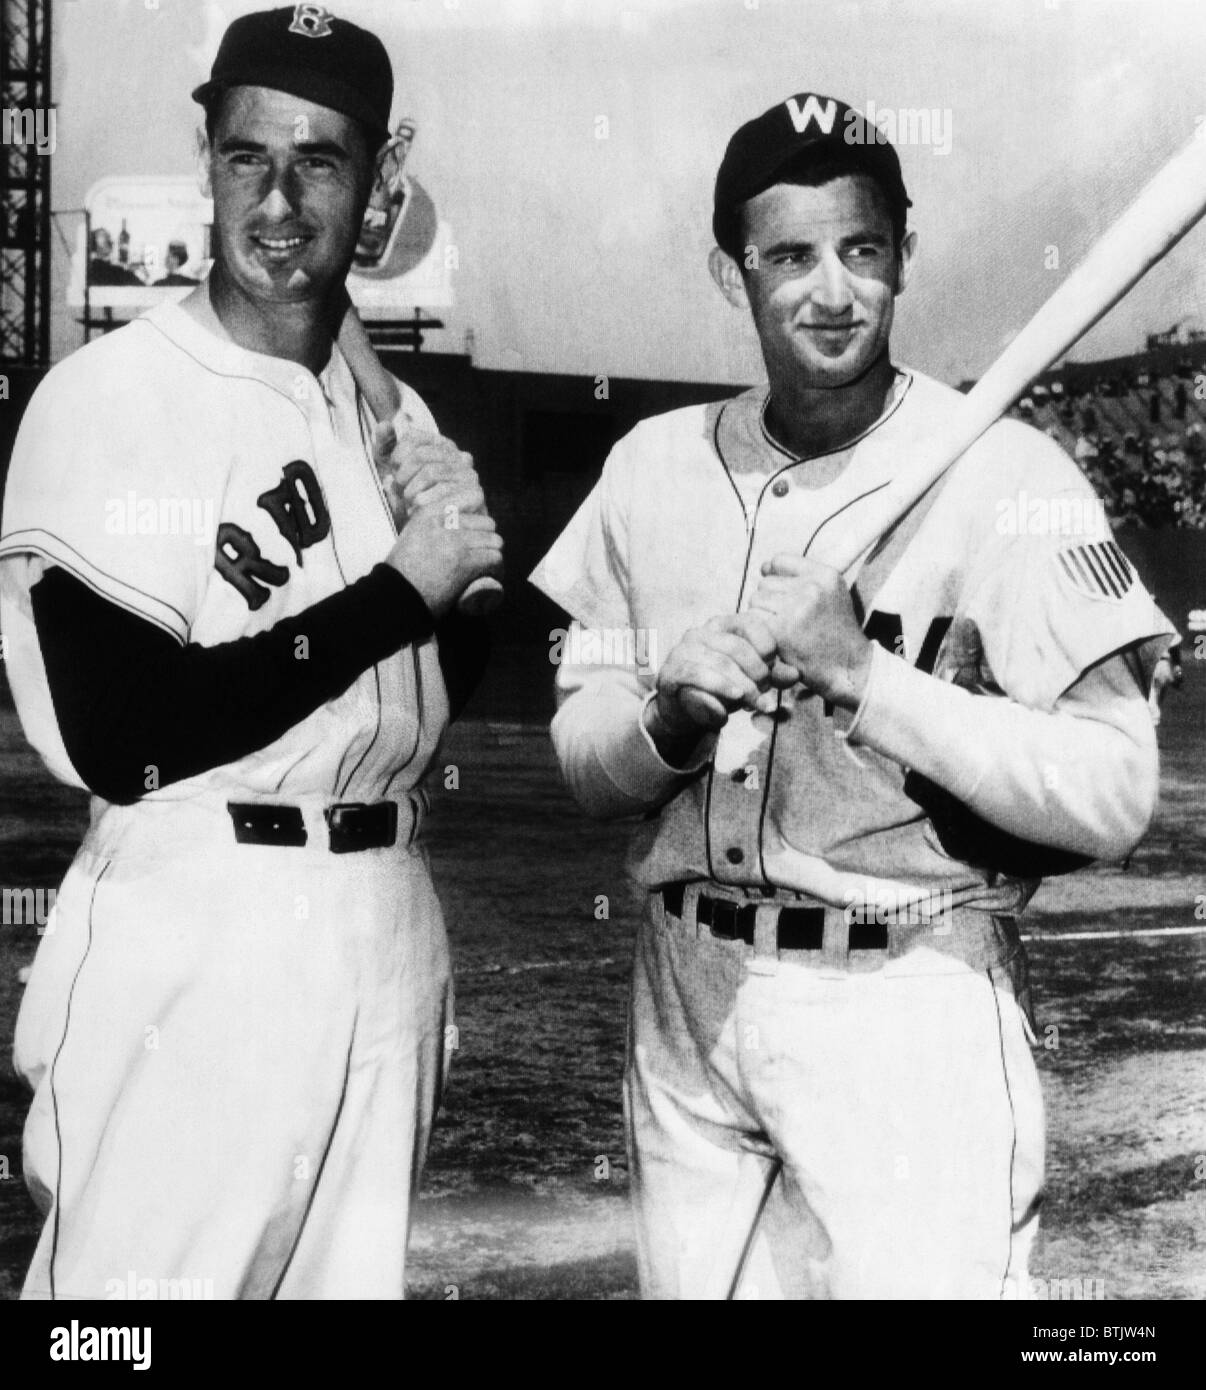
point(127, 695)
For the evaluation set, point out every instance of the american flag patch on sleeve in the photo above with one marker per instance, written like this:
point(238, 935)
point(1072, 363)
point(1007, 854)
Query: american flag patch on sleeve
point(1097, 569)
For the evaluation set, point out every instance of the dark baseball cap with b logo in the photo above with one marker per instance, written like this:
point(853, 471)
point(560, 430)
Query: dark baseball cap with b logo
point(806, 124)
point(305, 51)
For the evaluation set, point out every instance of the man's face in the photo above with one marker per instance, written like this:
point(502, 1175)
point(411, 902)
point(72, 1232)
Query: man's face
point(823, 290)
point(289, 181)
point(103, 244)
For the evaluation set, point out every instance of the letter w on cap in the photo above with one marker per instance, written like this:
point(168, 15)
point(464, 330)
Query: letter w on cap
point(812, 110)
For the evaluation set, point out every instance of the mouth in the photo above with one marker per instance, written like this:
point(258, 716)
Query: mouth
point(831, 329)
point(279, 250)
point(832, 339)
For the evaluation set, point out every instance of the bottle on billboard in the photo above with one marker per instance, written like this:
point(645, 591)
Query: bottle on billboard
point(386, 201)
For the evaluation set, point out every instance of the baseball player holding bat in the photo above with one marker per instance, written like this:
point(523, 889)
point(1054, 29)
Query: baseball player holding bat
point(235, 1026)
point(851, 779)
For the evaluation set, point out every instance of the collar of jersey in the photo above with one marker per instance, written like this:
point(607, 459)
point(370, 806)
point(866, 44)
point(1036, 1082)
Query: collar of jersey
point(900, 386)
point(225, 357)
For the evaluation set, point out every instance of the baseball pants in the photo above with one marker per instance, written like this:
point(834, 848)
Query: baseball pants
point(237, 1053)
point(871, 1135)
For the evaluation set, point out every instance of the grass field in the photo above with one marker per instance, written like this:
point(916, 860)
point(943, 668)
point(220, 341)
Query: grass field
point(525, 1192)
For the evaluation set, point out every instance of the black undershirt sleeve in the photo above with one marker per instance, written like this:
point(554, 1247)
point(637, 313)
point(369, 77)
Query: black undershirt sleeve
point(129, 698)
point(464, 645)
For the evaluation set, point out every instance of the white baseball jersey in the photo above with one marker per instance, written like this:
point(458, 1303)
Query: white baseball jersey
point(214, 491)
point(1010, 583)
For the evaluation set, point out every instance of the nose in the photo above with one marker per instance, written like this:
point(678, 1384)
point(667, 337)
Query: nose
point(830, 289)
point(276, 206)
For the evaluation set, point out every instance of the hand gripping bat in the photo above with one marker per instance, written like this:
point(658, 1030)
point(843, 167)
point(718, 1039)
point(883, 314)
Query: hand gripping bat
point(381, 392)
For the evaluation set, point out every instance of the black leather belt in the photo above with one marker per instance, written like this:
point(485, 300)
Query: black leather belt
point(796, 928)
point(351, 825)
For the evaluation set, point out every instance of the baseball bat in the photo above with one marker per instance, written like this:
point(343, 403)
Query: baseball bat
point(1164, 210)
point(380, 390)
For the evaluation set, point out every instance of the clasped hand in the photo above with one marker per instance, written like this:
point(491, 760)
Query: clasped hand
point(800, 628)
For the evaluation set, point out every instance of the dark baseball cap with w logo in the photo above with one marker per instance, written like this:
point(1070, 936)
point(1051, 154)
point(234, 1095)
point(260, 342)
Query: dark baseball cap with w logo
point(305, 51)
point(805, 124)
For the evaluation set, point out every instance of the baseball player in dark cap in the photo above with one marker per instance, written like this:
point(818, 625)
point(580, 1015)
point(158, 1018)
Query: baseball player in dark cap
point(236, 1023)
point(850, 786)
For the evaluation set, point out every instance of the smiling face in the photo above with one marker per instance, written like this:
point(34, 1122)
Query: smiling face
point(828, 270)
point(289, 181)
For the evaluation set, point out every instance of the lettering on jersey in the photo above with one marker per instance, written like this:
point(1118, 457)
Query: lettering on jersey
point(299, 511)
point(961, 833)
point(934, 636)
point(298, 507)
point(238, 559)
point(888, 630)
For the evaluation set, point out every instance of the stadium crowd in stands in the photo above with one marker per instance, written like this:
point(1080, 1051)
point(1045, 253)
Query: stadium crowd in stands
point(1139, 435)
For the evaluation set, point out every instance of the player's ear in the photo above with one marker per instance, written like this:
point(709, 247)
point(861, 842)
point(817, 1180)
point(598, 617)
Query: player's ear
point(203, 154)
point(905, 261)
point(729, 279)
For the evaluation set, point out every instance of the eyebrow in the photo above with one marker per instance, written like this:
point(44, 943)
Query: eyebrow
point(331, 147)
point(235, 145)
point(860, 238)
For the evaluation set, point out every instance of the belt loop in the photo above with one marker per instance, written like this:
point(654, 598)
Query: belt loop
point(764, 959)
point(690, 917)
point(836, 949)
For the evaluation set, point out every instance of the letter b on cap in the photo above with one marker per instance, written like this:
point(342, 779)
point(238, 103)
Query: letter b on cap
point(312, 20)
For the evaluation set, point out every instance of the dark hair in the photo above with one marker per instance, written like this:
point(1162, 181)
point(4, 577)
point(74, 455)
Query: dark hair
point(809, 170)
point(372, 137)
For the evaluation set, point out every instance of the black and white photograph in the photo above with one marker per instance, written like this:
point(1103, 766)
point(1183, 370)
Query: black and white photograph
point(603, 658)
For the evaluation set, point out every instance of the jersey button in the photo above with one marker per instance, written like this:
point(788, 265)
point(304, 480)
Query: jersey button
point(780, 487)
point(734, 856)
